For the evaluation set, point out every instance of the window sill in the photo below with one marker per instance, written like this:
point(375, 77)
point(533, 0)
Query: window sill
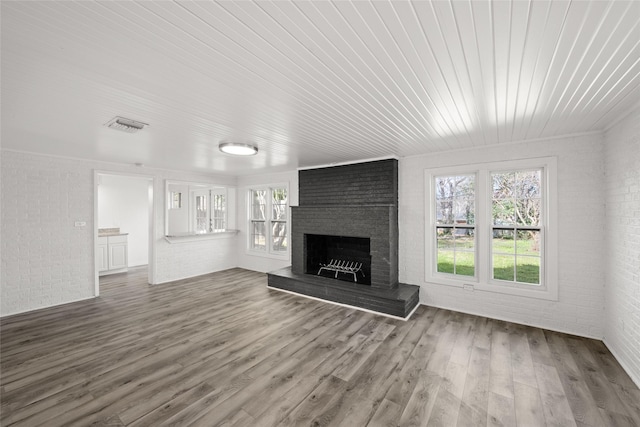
point(190, 237)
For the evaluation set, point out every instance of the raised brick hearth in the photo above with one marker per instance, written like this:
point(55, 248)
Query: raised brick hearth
point(358, 202)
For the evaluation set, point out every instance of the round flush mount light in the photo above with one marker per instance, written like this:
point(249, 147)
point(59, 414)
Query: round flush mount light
point(238, 149)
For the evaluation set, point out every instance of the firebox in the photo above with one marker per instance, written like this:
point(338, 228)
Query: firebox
point(339, 257)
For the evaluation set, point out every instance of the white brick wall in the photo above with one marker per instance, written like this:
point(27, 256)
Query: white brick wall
point(181, 260)
point(622, 254)
point(47, 261)
point(580, 307)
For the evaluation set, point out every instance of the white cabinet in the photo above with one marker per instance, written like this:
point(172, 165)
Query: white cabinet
point(118, 252)
point(112, 254)
point(102, 254)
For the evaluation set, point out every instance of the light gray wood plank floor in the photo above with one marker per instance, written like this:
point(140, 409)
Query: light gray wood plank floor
point(222, 349)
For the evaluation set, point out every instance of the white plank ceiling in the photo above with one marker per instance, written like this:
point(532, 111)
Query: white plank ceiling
point(310, 82)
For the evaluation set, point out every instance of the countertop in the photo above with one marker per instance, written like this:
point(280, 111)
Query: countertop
point(107, 232)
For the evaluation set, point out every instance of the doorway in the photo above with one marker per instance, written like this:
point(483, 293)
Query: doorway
point(123, 216)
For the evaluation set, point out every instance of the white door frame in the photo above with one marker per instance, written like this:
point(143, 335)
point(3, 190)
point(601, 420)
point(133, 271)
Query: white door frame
point(152, 223)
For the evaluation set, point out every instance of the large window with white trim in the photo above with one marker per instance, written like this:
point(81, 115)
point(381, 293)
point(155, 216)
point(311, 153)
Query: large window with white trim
point(268, 231)
point(492, 227)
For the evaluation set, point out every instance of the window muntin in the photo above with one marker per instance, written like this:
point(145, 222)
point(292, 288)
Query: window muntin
point(268, 231)
point(455, 224)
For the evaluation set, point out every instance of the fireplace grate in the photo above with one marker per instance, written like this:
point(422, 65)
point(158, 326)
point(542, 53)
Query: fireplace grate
point(341, 266)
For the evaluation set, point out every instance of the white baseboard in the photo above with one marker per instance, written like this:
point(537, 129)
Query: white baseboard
point(192, 276)
point(504, 319)
point(4, 316)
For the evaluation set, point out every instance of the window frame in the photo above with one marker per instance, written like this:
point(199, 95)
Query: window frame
point(268, 222)
point(483, 279)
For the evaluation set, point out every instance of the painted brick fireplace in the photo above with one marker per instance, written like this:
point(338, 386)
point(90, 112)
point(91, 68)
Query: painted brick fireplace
point(342, 205)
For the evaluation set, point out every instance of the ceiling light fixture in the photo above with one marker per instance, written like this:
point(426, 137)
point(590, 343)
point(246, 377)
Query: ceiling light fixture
point(238, 149)
point(125, 125)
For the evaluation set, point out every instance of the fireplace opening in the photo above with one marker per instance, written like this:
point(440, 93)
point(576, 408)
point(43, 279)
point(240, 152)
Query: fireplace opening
point(338, 257)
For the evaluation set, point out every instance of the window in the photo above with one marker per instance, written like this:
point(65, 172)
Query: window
point(279, 220)
point(268, 220)
point(455, 229)
point(199, 208)
point(219, 211)
point(201, 211)
point(175, 200)
point(516, 210)
point(210, 210)
point(258, 218)
point(493, 226)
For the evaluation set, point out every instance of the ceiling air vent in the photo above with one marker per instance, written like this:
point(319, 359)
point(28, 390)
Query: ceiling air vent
point(125, 125)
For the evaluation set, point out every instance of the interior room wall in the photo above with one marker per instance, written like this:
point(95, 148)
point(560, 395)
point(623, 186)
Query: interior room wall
point(245, 258)
point(47, 260)
point(580, 307)
point(123, 202)
point(622, 254)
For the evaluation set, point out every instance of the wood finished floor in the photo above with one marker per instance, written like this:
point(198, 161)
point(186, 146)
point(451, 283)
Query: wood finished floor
point(222, 349)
